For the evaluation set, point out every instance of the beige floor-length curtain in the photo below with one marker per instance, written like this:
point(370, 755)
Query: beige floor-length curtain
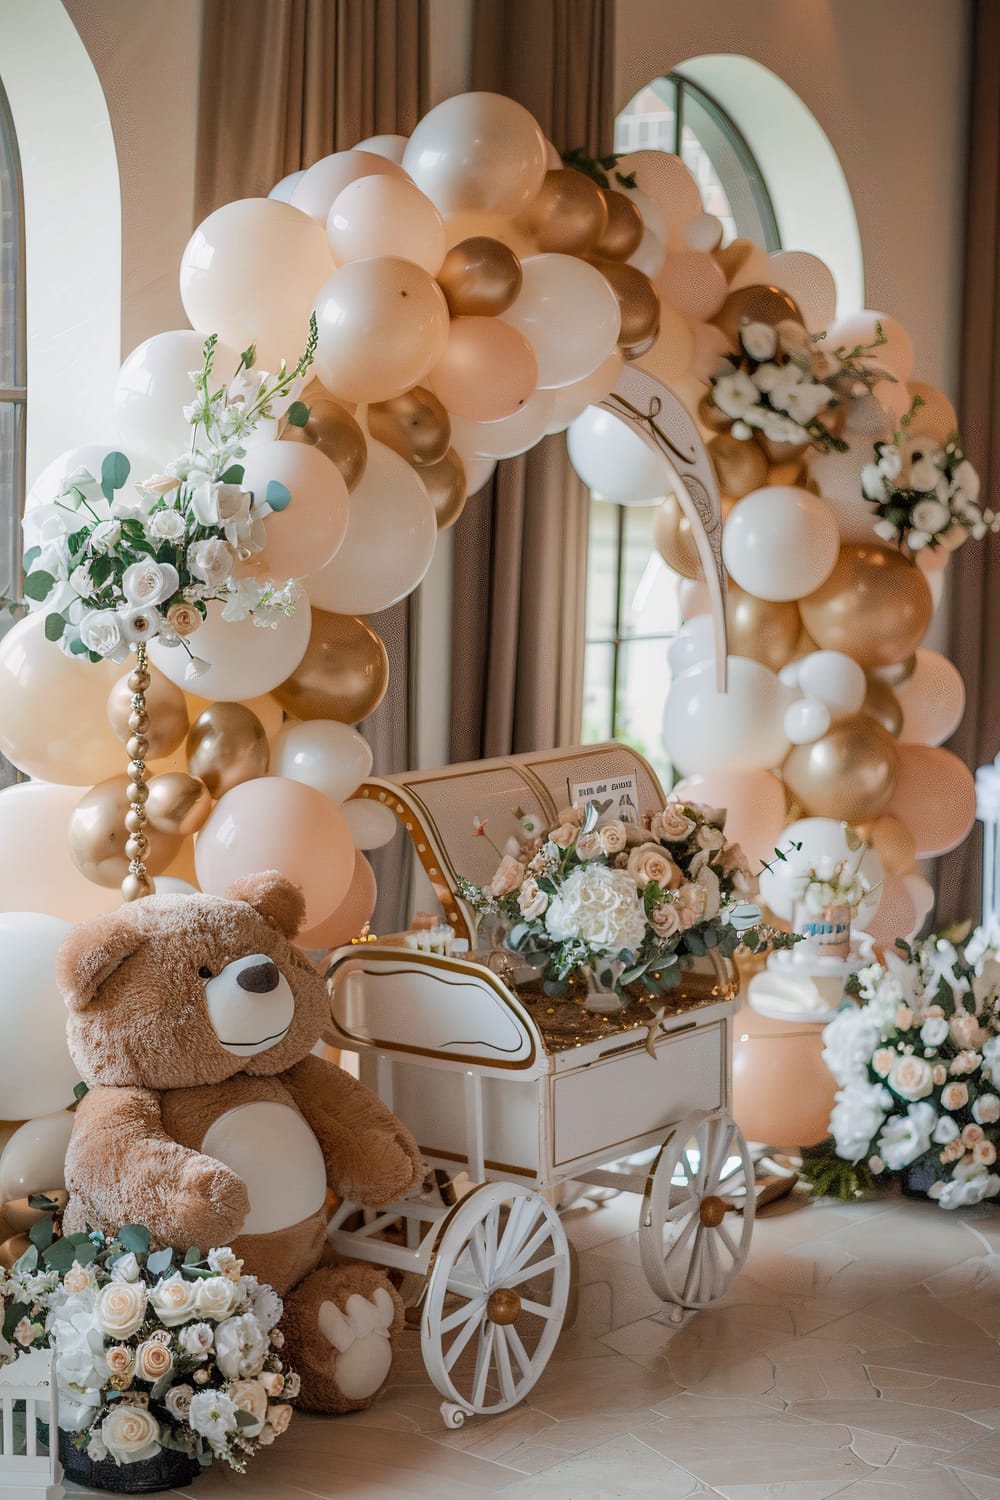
point(976, 568)
point(520, 546)
point(283, 83)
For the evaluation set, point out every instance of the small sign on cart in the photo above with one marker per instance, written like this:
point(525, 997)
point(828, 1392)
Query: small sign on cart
point(611, 796)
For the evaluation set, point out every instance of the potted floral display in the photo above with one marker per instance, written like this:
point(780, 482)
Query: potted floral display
point(926, 493)
point(827, 898)
point(162, 1364)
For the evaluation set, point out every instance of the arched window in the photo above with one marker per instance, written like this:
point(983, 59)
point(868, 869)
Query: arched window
point(632, 596)
point(13, 387)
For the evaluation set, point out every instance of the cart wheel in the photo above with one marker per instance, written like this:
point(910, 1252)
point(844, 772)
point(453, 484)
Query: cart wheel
point(704, 1172)
point(496, 1297)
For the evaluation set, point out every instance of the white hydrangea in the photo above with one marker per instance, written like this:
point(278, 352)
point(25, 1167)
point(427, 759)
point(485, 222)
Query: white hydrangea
point(599, 905)
point(905, 1137)
point(858, 1115)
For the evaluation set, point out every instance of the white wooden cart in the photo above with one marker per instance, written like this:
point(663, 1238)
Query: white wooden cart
point(470, 1067)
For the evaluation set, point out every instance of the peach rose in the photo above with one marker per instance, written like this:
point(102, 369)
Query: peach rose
point(972, 1135)
point(911, 1078)
point(651, 862)
point(966, 1031)
point(564, 835)
point(573, 815)
point(939, 1074)
point(710, 838)
point(273, 1382)
point(965, 1062)
point(612, 836)
point(671, 825)
point(883, 1060)
point(955, 1096)
point(665, 920)
point(78, 1278)
point(510, 873)
point(589, 846)
point(951, 1152)
point(153, 1360)
point(183, 619)
point(279, 1417)
point(249, 1396)
point(691, 903)
point(120, 1359)
point(985, 1153)
point(904, 1017)
point(121, 1307)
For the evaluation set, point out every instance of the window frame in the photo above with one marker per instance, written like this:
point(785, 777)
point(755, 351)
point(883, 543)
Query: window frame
point(15, 395)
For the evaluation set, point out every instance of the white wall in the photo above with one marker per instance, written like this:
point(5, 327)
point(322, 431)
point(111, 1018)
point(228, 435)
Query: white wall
point(887, 82)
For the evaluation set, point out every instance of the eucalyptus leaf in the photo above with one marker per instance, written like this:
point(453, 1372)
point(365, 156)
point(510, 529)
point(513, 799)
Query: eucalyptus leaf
point(134, 1237)
point(40, 1200)
point(38, 585)
point(31, 557)
point(192, 1256)
point(160, 1261)
point(79, 1089)
point(114, 472)
point(298, 414)
point(277, 495)
point(233, 475)
point(42, 1233)
point(54, 627)
point(15, 1312)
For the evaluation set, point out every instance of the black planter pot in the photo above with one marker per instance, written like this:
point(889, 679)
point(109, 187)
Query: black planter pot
point(914, 1181)
point(169, 1470)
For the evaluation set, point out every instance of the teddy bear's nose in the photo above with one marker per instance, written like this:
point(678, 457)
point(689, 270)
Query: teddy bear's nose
point(259, 978)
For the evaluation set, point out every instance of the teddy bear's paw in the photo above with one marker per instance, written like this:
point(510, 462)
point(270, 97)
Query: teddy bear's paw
point(387, 1169)
point(360, 1335)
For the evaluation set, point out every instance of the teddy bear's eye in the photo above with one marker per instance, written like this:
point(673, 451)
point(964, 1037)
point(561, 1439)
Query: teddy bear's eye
point(205, 972)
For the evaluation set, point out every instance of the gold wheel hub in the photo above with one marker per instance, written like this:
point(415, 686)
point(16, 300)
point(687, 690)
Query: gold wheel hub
point(503, 1306)
point(712, 1211)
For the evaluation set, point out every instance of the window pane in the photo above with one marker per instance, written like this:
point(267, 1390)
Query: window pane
point(643, 680)
point(10, 254)
point(731, 185)
point(598, 666)
point(649, 593)
point(649, 121)
point(602, 570)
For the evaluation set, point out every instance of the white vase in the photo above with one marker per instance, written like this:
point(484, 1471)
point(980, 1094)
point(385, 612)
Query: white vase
point(602, 997)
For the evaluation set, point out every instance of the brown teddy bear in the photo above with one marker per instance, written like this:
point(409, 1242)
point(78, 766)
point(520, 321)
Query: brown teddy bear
point(192, 1020)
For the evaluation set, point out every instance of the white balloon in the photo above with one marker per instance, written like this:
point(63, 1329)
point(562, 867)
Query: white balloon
point(508, 436)
point(477, 151)
point(172, 885)
point(838, 476)
point(34, 1158)
point(569, 315)
point(809, 281)
point(922, 895)
point(371, 824)
point(319, 185)
point(806, 720)
point(285, 186)
point(382, 215)
point(741, 729)
point(820, 839)
point(649, 257)
point(244, 659)
point(692, 644)
point(389, 146)
point(478, 471)
point(780, 543)
point(614, 462)
point(323, 753)
point(153, 387)
point(789, 674)
point(834, 679)
point(37, 1074)
point(391, 535)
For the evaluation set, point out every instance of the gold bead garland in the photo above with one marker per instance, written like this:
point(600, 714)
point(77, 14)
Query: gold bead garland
point(137, 882)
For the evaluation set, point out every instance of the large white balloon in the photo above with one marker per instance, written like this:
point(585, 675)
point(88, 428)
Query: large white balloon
point(693, 643)
point(742, 729)
point(153, 387)
point(834, 679)
point(37, 1074)
point(780, 543)
point(389, 146)
point(34, 1158)
point(819, 838)
point(614, 462)
point(320, 184)
point(244, 659)
point(508, 436)
point(391, 534)
point(477, 151)
point(371, 824)
point(569, 315)
point(323, 753)
point(383, 215)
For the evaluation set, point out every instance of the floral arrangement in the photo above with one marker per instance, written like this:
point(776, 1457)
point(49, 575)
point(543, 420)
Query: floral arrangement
point(116, 567)
point(832, 883)
point(621, 902)
point(918, 1068)
point(151, 1353)
point(781, 385)
point(923, 490)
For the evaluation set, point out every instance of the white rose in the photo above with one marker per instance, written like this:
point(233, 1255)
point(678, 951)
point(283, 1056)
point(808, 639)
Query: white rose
point(125, 1268)
point(599, 905)
point(967, 480)
point(166, 526)
point(986, 1109)
point(804, 402)
point(759, 340)
point(885, 530)
point(930, 516)
point(101, 631)
point(848, 1042)
point(81, 582)
point(924, 475)
point(139, 624)
point(934, 1031)
point(944, 1131)
point(970, 1184)
point(873, 485)
point(767, 377)
point(121, 1307)
point(213, 1415)
point(240, 1347)
point(216, 1298)
point(734, 394)
point(130, 1434)
point(265, 1304)
point(147, 583)
point(905, 1137)
point(106, 535)
point(175, 1299)
point(225, 1262)
point(220, 504)
point(911, 1078)
point(858, 1114)
point(211, 561)
point(197, 1339)
point(178, 1401)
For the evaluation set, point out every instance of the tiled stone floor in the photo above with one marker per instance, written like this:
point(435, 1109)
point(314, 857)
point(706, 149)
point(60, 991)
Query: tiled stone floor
point(857, 1355)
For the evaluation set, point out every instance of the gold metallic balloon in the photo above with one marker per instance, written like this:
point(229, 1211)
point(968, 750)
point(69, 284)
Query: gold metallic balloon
point(227, 746)
point(875, 606)
point(763, 629)
point(343, 675)
point(445, 483)
point(734, 256)
point(849, 774)
point(97, 836)
point(165, 706)
point(624, 227)
point(20, 1215)
point(177, 803)
point(638, 301)
point(739, 466)
point(893, 842)
point(480, 277)
point(569, 214)
point(714, 418)
point(781, 453)
point(896, 672)
point(336, 434)
point(415, 425)
point(882, 705)
point(755, 304)
point(11, 1250)
point(793, 472)
point(673, 540)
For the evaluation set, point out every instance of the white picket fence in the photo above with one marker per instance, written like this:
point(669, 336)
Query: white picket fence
point(27, 1396)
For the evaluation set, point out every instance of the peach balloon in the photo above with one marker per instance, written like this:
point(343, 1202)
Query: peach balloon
point(479, 151)
point(935, 417)
point(53, 709)
point(692, 283)
point(782, 1089)
point(708, 355)
point(34, 818)
point(511, 435)
point(167, 709)
point(382, 325)
point(351, 916)
point(250, 274)
point(322, 183)
point(671, 355)
point(894, 355)
point(486, 371)
point(305, 531)
point(571, 401)
point(743, 263)
point(754, 803)
point(569, 315)
point(274, 824)
point(893, 842)
point(932, 700)
point(935, 797)
point(244, 660)
point(810, 281)
point(897, 912)
point(667, 180)
point(383, 215)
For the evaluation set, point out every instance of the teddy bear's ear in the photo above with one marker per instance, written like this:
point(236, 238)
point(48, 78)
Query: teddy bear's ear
point(90, 953)
point(277, 899)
